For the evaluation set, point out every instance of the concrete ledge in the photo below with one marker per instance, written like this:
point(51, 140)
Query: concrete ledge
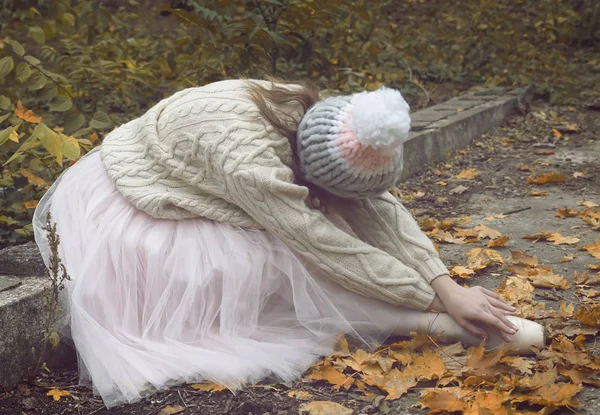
point(21, 326)
point(444, 128)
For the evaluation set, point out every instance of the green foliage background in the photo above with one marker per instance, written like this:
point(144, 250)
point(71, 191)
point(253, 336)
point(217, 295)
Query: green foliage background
point(85, 66)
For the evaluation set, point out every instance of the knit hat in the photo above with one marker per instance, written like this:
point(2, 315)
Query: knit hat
point(351, 146)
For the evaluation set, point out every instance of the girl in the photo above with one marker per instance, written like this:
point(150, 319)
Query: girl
point(196, 253)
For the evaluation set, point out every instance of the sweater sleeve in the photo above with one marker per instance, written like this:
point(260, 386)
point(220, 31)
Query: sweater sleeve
point(266, 192)
point(385, 223)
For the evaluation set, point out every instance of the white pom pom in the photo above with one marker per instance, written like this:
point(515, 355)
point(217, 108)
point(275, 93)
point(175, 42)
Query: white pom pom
point(380, 118)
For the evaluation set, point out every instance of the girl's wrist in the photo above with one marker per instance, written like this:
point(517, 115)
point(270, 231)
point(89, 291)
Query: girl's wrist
point(444, 286)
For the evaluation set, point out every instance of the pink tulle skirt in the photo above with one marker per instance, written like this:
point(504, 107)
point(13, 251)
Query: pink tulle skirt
point(155, 302)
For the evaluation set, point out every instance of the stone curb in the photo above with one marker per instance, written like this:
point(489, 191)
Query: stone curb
point(437, 132)
point(442, 129)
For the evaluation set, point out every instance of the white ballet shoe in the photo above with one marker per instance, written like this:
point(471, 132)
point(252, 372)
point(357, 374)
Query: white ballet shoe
point(529, 334)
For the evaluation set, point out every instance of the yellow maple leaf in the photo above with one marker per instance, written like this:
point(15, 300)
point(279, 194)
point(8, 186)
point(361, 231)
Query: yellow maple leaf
point(33, 179)
point(486, 232)
point(26, 114)
point(567, 258)
point(516, 290)
point(538, 194)
point(566, 213)
point(324, 408)
point(439, 400)
point(587, 203)
point(502, 241)
point(462, 272)
point(556, 133)
point(552, 177)
point(58, 393)
point(593, 248)
point(468, 174)
point(479, 258)
point(589, 315)
point(331, 375)
point(30, 204)
point(559, 239)
point(208, 387)
point(171, 410)
point(524, 167)
point(521, 257)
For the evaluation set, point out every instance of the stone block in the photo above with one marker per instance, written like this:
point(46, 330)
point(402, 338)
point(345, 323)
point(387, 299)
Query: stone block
point(22, 260)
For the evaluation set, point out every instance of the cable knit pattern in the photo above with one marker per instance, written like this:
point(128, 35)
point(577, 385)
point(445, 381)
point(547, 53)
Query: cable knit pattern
point(205, 152)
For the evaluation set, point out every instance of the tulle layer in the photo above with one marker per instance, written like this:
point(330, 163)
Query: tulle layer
point(156, 302)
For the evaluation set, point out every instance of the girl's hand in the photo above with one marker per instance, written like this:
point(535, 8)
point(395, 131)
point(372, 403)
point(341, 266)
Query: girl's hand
point(473, 306)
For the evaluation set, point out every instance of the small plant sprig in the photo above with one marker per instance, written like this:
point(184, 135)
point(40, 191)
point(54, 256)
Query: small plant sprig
point(56, 272)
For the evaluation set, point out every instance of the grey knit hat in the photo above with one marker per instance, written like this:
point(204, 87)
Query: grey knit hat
point(351, 146)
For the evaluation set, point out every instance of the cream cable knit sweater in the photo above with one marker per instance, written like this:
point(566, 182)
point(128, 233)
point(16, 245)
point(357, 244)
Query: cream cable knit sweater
point(205, 152)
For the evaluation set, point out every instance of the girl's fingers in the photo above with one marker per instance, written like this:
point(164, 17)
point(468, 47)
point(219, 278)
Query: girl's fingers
point(502, 306)
point(491, 319)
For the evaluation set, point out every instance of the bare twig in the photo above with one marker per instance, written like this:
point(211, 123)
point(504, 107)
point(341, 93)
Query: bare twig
point(510, 212)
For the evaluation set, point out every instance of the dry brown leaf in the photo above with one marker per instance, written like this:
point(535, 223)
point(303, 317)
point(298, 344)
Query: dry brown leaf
point(486, 232)
point(427, 366)
point(538, 236)
point(498, 242)
point(466, 233)
point(521, 257)
point(26, 114)
point(552, 177)
point(468, 174)
point(567, 258)
point(479, 363)
point(589, 315)
point(538, 379)
point(171, 410)
point(443, 400)
point(394, 383)
point(580, 376)
point(300, 395)
point(545, 278)
point(490, 402)
point(342, 344)
point(445, 236)
point(208, 387)
point(559, 239)
point(329, 374)
point(462, 272)
point(441, 183)
point(30, 204)
point(588, 204)
point(479, 258)
point(324, 408)
point(566, 213)
point(534, 193)
point(372, 364)
point(565, 310)
point(591, 217)
point(581, 277)
point(522, 364)
point(554, 394)
point(593, 249)
point(33, 179)
point(556, 133)
point(516, 290)
point(498, 216)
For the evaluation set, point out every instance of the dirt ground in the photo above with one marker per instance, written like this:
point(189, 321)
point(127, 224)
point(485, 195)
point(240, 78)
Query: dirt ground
point(541, 139)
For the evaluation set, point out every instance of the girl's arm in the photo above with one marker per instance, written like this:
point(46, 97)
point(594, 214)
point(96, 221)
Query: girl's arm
point(264, 188)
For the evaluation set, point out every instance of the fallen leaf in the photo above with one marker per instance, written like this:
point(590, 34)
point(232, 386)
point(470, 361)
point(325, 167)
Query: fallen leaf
point(489, 402)
point(13, 136)
point(170, 410)
point(394, 383)
point(499, 216)
point(559, 239)
point(552, 177)
point(26, 114)
point(567, 258)
point(486, 232)
point(556, 133)
point(462, 272)
point(538, 236)
point(538, 380)
point(479, 258)
point(30, 204)
point(57, 394)
point(591, 217)
point(324, 408)
point(300, 395)
point(516, 290)
point(588, 204)
point(441, 183)
point(427, 366)
point(342, 344)
point(549, 280)
point(538, 194)
point(208, 387)
point(480, 363)
point(522, 364)
point(443, 400)
point(565, 310)
point(331, 375)
point(593, 249)
point(468, 174)
point(566, 213)
point(521, 257)
point(579, 174)
point(580, 277)
point(589, 315)
point(502, 241)
point(445, 236)
point(555, 394)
